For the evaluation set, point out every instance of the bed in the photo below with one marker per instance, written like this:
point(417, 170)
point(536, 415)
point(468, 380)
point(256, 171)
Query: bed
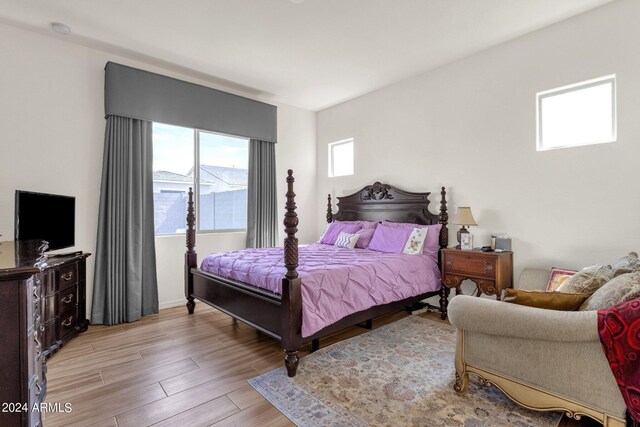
point(271, 289)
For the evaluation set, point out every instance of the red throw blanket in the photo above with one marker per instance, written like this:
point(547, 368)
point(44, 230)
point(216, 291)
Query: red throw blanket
point(619, 330)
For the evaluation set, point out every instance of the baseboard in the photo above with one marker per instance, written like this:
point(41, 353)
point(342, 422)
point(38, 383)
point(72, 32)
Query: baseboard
point(169, 304)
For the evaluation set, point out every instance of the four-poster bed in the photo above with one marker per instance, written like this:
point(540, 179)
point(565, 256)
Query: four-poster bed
point(280, 314)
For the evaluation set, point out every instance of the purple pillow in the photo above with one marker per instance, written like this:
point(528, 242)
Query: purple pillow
point(365, 237)
point(387, 238)
point(431, 242)
point(334, 229)
point(364, 224)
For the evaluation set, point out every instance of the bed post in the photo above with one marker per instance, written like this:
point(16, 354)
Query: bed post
point(444, 242)
point(190, 257)
point(329, 210)
point(291, 293)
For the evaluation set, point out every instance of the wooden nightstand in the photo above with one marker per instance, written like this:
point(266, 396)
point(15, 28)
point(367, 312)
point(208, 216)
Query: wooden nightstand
point(490, 271)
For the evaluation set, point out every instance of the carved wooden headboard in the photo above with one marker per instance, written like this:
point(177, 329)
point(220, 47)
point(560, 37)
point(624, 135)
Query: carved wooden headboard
point(378, 202)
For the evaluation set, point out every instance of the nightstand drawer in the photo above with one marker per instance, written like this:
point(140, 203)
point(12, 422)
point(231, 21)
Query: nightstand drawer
point(470, 265)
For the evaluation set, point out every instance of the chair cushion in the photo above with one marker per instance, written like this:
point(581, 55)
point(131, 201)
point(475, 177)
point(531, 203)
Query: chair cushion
point(620, 289)
point(542, 299)
point(587, 280)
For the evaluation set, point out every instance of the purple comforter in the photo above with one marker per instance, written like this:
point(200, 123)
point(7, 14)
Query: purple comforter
point(335, 281)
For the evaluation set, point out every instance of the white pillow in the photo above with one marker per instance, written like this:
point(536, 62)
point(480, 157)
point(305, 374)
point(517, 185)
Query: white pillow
point(415, 242)
point(346, 240)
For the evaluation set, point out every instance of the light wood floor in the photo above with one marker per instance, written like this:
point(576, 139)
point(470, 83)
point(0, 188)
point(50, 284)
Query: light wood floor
point(172, 369)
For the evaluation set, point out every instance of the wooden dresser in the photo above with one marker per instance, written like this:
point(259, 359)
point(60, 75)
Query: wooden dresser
point(42, 306)
point(22, 366)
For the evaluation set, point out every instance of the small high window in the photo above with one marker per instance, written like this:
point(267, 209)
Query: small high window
point(341, 158)
point(579, 114)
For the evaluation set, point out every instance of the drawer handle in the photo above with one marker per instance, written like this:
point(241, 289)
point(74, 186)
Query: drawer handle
point(67, 299)
point(67, 276)
point(67, 322)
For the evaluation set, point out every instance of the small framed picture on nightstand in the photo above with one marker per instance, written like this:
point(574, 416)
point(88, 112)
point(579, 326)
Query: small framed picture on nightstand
point(466, 241)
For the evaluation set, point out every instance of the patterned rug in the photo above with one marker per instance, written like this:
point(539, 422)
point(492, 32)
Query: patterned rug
point(399, 375)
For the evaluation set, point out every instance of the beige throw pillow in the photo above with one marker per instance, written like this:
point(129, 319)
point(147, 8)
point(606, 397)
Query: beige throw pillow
point(627, 264)
point(587, 280)
point(620, 289)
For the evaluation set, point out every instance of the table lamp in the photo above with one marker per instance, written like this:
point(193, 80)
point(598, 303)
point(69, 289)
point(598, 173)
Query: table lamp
point(464, 218)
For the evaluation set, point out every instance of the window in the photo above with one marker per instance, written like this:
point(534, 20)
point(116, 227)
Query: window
point(341, 158)
point(221, 178)
point(580, 114)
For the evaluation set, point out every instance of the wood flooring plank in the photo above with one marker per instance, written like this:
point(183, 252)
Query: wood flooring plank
point(245, 396)
point(71, 383)
point(92, 363)
point(202, 415)
point(96, 406)
point(186, 400)
point(143, 372)
point(260, 414)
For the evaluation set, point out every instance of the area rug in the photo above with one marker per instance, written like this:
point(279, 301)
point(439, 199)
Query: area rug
point(399, 375)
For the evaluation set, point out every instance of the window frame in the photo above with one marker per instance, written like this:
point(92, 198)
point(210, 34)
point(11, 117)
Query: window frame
point(331, 157)
point(195, 183)
point(599, 81)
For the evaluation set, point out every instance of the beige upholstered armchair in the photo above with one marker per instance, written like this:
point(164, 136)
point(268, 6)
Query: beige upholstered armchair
point(542, 359)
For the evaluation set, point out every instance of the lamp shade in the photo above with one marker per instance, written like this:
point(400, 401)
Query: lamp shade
point(464, 217)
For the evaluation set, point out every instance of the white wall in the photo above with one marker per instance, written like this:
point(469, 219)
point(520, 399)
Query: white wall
point(52, 122)
point(470, 126)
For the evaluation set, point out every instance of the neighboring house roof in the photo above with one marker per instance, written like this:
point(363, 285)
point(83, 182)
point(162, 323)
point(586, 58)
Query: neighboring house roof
point(171, 176)
point(230, 176)
point(176, 177)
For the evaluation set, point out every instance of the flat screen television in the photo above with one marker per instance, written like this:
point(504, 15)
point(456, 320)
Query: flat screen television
point(50, 217)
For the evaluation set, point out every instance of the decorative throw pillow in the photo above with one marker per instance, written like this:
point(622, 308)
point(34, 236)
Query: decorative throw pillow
point(362, 223)
point(546, 300)
point(346, 240)
point(627, 264)
point(620, 289)
point(389, 239)
point(557, 277)
point(415, 242)
point(587, 280)
point(431, 243)
point(365, 237)
point(334, 229)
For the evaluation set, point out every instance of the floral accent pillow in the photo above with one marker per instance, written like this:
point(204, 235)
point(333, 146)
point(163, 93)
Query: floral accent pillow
point(557, 277)
point(346, 240)
point(415, 242)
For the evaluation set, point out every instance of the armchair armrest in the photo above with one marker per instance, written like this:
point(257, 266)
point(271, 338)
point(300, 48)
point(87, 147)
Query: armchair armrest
point(519, 321)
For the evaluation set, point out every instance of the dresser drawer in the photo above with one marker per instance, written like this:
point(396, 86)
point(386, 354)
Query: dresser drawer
point(67, 299)
point(470, 265)
point(67, 322)
point(67, 276)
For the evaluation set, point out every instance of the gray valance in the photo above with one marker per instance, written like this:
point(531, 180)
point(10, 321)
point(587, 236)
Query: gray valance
point(139, 94)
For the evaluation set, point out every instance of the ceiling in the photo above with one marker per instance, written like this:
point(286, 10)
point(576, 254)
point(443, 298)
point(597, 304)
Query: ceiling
point(307, 53)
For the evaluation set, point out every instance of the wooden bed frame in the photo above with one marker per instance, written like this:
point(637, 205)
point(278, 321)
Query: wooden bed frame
point(280, 316)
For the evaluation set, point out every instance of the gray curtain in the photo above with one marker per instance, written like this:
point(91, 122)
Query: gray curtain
point(125, 284)
point(262, 209)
